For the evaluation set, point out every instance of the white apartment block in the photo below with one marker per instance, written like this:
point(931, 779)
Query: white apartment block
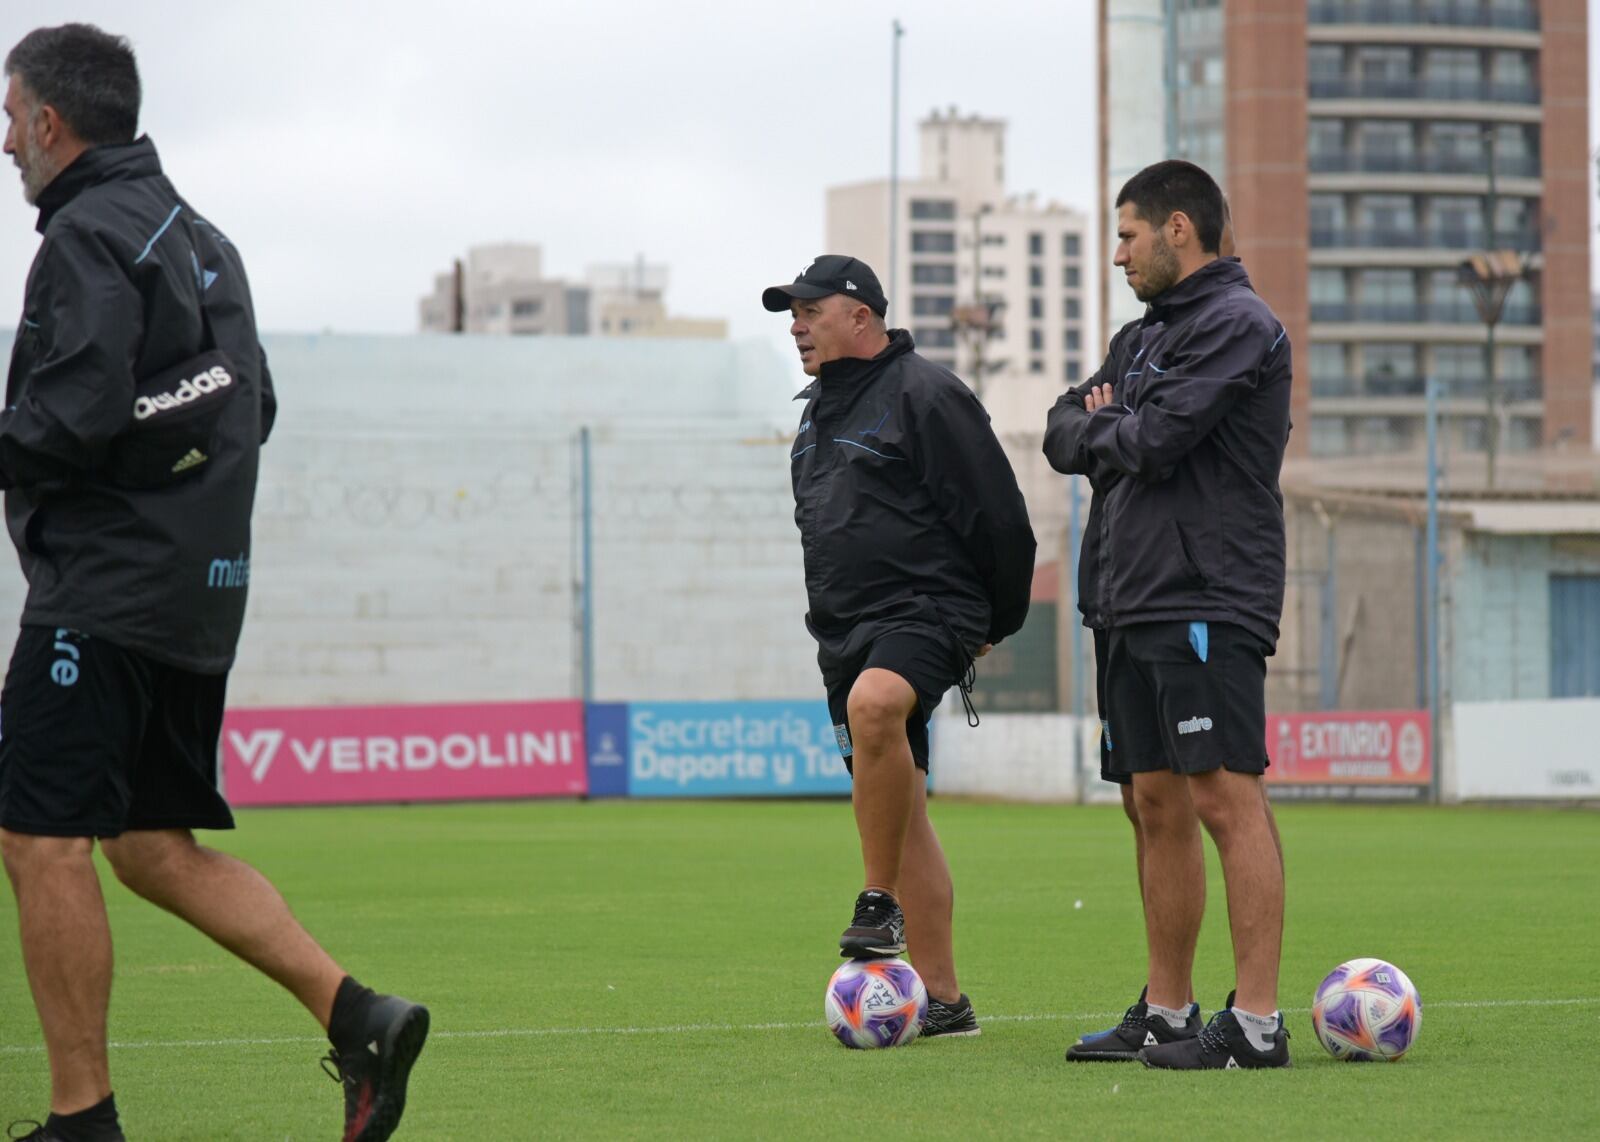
point(503, 291)
point(962, 242)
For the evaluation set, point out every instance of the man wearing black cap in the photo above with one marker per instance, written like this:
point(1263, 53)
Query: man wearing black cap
point(919, 558)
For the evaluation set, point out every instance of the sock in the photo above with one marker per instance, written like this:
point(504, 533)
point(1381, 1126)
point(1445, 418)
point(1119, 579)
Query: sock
point(347, 1023)
point(1259, 1029)
point(97, 1123)
point(1175, 1019)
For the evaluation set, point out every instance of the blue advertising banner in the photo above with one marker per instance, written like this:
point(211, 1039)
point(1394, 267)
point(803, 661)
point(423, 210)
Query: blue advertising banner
point(606, 733)
point(731, 749)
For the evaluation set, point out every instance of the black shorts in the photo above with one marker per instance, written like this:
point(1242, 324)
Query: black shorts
point(1108, 772)
point(96, 740)
point(1187, 697)
point(926, 657)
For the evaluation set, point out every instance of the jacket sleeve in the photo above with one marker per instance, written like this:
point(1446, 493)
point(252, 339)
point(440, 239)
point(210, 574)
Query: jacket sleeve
point(974, 489)
point(1183, 399)
point(1065, 443)
point(79, 393)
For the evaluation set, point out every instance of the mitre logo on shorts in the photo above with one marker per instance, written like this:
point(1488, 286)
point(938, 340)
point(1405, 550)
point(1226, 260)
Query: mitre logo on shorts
point(187, 390)
point(1194, 725)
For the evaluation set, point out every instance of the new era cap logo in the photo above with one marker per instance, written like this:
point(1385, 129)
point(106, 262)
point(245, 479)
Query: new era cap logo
point(848, 284)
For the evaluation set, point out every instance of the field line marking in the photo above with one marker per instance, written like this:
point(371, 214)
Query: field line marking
point(706, 1028)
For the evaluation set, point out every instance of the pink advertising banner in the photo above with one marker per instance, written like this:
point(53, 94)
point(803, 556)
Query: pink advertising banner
point(345, 754)
point(1382, 747)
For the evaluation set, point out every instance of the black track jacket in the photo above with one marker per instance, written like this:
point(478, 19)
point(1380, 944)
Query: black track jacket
point(1190, 517)
point(908, 510)
point(114, 295)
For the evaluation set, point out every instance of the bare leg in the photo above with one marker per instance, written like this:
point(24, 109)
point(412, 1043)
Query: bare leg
point(928, 899)
point(1174, 883)
point(1131, 807)
point(885, 776)
point(66, 949)
point(1237, 817)
point(233, 904)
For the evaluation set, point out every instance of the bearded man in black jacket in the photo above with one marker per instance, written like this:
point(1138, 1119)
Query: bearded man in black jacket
point(918, 559)
point(137, 402)
point(1183, 434)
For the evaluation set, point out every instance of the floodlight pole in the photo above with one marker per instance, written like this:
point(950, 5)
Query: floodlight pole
point(1434, 714)
point(894, 171)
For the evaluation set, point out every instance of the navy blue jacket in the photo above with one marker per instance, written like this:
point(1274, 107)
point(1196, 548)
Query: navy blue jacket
point(1186, 463)
point(908, 510)
point(114, 297)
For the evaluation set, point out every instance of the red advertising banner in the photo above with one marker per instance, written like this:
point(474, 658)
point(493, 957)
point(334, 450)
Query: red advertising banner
point(1383, 747)
point(345, 754)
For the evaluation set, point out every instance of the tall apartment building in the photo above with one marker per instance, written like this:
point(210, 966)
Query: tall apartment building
point(963, 248)
point(501, 289)
point(1354, 139)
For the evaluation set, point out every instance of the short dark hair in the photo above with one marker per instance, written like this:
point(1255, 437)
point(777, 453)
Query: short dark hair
point(87, 75)
point(1163, 188)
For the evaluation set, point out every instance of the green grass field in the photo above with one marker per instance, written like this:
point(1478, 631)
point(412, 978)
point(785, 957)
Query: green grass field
point(656, 970)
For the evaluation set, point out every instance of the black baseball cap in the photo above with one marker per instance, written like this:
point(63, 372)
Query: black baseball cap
point(830, 274)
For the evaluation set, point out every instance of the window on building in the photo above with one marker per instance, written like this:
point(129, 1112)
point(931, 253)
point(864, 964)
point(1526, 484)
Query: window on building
point(1036, 307)
point(1388, 213)
point(1072, 309)
point(1036, 245)
point(1325, 136)
point(1329, 361)
point(1036, 366)
point(933, 241)
point(1071, 246)
point(1452, 65)
point(1385, 138)
point(526, 307)
point(932, 273)
point(933, 336)
point(1458, 218)
point(1387, 287)
point(1327, 213)
point(1326, 61)
point(1328, 286)
point(1511, 68)
point(1074, 370)
point(933, 209)
point(1514, 221)
point(1071, 277)
point(1459, 362)
point(932, 305)
point(1575, 636)
point(1036, 277)
point(1329, 436)
point(994, 271)
point(994, 239)
point(1383, 64)
point(1460, 145)
point(1072, 340)
point(1390, 369)
point(1036, 340)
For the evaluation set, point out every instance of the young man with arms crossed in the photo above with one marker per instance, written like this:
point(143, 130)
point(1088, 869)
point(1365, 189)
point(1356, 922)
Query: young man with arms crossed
point(918, 559)
point(1185, 429)
point(137, 310)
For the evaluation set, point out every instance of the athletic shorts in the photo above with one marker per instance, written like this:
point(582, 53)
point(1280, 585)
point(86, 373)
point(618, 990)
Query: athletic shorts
point(926, 657)
point(1108, 772)
point(96, 740)
point(1186, 697)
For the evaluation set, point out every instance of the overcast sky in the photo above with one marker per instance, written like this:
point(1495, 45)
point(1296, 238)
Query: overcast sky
point(351, 150)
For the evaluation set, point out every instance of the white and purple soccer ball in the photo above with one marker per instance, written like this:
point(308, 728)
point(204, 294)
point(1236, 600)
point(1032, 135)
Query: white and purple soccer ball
point(1367, 1010)
point(875, 1003)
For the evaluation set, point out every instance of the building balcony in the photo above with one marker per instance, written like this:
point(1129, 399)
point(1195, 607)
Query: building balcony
point(1418, 313)
point(1433, 90)
point(1372, 238)
point(1424, 13)
point(1354, 162)
point(1509, 391)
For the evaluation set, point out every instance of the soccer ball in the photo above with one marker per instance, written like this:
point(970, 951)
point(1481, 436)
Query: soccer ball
point(876, 1003)
point(1365, 1010)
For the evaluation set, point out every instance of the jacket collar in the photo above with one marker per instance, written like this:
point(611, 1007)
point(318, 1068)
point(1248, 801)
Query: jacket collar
point(110, 163)
point(847, 371)
point(1198, 288)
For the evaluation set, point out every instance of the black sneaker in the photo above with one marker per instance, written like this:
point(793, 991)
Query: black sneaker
point(950, 1019)
point(374, 1074)
point(1222, 1046)
point(877, 930)
point(1138, 1029)
point(42, 1132)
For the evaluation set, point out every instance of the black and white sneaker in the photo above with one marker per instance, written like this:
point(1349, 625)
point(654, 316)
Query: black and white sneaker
point(951, 1020)
point(877, 930)
point(374, 1073)
point(1138, 1029)
point(1222, 1046)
